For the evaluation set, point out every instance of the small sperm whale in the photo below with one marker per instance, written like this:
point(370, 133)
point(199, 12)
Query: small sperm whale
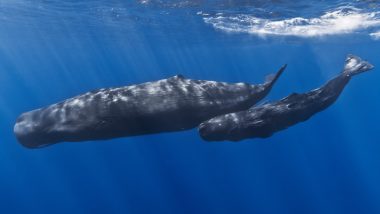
point(263, 121)
point(166, 105)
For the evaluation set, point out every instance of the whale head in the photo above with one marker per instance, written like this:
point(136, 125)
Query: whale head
point(30, 133)
point(219, 128)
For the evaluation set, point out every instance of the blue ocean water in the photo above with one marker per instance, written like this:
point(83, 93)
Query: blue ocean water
point(51, 50)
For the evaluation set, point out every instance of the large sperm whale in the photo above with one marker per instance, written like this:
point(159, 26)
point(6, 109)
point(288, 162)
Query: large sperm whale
point(262, 121)
point(167, 105)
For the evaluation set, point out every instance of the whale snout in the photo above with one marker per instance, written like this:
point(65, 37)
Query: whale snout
point(212, 131)
point(221, 128)
point(28, 132)
point(23, 130)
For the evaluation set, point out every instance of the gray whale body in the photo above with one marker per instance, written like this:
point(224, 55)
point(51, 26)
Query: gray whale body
point(263, 121)
point(166, 105)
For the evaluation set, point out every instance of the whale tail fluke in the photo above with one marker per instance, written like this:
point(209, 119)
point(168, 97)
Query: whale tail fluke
point(355, 65)
point(271, 79)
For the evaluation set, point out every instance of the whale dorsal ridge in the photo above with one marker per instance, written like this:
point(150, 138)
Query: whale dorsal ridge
point(178, 76)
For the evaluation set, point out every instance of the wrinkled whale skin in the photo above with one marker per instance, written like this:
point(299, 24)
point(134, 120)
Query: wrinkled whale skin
point(166, 105)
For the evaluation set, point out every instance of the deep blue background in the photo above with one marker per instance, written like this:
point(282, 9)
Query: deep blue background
point(50, 51)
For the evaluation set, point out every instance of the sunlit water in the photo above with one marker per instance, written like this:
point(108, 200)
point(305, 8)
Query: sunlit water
point(53, 50)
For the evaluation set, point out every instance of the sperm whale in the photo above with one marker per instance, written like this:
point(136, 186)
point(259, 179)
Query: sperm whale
point(263, 121)
point(166, 105)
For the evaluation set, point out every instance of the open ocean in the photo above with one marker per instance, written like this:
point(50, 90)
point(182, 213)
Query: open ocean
point(51, 50)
